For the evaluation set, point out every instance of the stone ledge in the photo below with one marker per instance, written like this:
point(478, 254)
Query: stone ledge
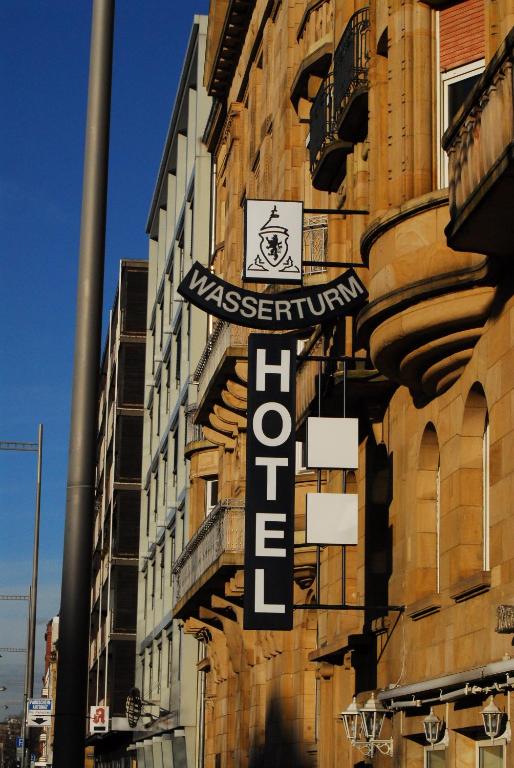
point(426, 606)
point(471, 586)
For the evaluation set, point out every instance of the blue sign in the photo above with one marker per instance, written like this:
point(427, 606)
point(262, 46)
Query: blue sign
point(19, 742)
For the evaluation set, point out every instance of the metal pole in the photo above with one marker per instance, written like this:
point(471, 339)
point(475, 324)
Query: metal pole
point(31, 640)
point(72, 671)
point(31, 647)
point(26, 693)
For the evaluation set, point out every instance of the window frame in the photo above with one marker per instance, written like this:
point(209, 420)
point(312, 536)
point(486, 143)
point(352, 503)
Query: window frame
point(501, 742)
point(427, 751)
point(444, 81)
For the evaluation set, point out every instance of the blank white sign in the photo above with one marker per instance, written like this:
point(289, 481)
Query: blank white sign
point(332, 443)
point(332, 518)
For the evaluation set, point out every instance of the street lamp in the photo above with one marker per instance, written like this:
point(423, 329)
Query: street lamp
point(351, 718)
point(433, 728)
point(3, 688)
point(363, 726)
point(492, 718)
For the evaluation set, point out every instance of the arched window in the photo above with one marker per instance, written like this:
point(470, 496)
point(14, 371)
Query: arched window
point(485, 497)
point(471, 554)
point(424, 538)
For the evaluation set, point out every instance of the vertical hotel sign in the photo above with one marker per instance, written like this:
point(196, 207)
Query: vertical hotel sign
point(270, 472)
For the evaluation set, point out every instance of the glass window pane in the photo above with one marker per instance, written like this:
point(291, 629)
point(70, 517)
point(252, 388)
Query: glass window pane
point(435, 758)
point(491, 756)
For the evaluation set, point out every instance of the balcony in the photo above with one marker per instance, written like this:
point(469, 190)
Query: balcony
point(427, 304)
point(327, 151)
point(226, 344)
point(351, 79)
point(339, 114)
point(215, 547)
point(480, 148)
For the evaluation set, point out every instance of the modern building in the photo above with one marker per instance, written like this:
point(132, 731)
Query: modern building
point(178, 229)
point(112, 655)
point(404, 654)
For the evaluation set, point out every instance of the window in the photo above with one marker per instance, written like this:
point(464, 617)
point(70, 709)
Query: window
point(175, 454)
point(211, 494)
point(165, 479)
point(301, 460)
point(485, 495)
point(167, 384)
point(178, 353)
point(145, 600)
point(161, 574)
point(181, 258)
point(153, 567)
point(148, 512)
point(170, 658)
point(157, 402)
point(435, 758)
point(490, 755)
point(472, 532)
point(424, 534)
point(150, 673)
point(155, 485)
point(172, 553)
point(150, 429)
point(161, 320)
point(158, 670)
point(179, 651)
point(455, 86)
point(143, 676)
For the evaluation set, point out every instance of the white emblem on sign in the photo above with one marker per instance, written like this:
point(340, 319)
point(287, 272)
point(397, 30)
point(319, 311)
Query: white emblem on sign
point(273, 241)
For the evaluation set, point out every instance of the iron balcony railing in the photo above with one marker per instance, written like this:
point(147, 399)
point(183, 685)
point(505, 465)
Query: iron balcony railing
point(221, 533)
point(322, 121)
point(217, 330)
point(349, 76)
point(351, 60)
point(194, 432)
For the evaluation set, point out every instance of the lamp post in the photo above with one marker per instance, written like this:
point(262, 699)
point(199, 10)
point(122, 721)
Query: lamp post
point(363, 726)
point(31, 644)
point(72, 673)
point(492, 718)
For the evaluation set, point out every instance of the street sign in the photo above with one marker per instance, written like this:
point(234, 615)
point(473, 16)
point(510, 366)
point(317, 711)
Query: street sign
point(39, 713)
point(99, 720)
point(19, 742)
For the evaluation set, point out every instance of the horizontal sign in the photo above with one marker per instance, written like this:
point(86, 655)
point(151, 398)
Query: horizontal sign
point(287, 310)
point(39, 713)
point(273, 241)
point(270, 472)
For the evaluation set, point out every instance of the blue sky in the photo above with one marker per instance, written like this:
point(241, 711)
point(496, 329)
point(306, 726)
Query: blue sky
point(44, 58)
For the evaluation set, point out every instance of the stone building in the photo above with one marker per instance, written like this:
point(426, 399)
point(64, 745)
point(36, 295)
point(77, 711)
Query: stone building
point(112, 654)
point(178, 231)
point(344, 106)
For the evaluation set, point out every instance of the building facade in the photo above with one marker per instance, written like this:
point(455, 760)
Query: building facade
point(117, 506)
point(178, 229)
point(46, 736)
point(409, 633)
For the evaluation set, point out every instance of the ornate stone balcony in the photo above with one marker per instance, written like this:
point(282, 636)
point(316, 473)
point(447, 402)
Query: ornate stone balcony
point(480, 148)
point(215, 547)
point(427, 304)
point(226, 344)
